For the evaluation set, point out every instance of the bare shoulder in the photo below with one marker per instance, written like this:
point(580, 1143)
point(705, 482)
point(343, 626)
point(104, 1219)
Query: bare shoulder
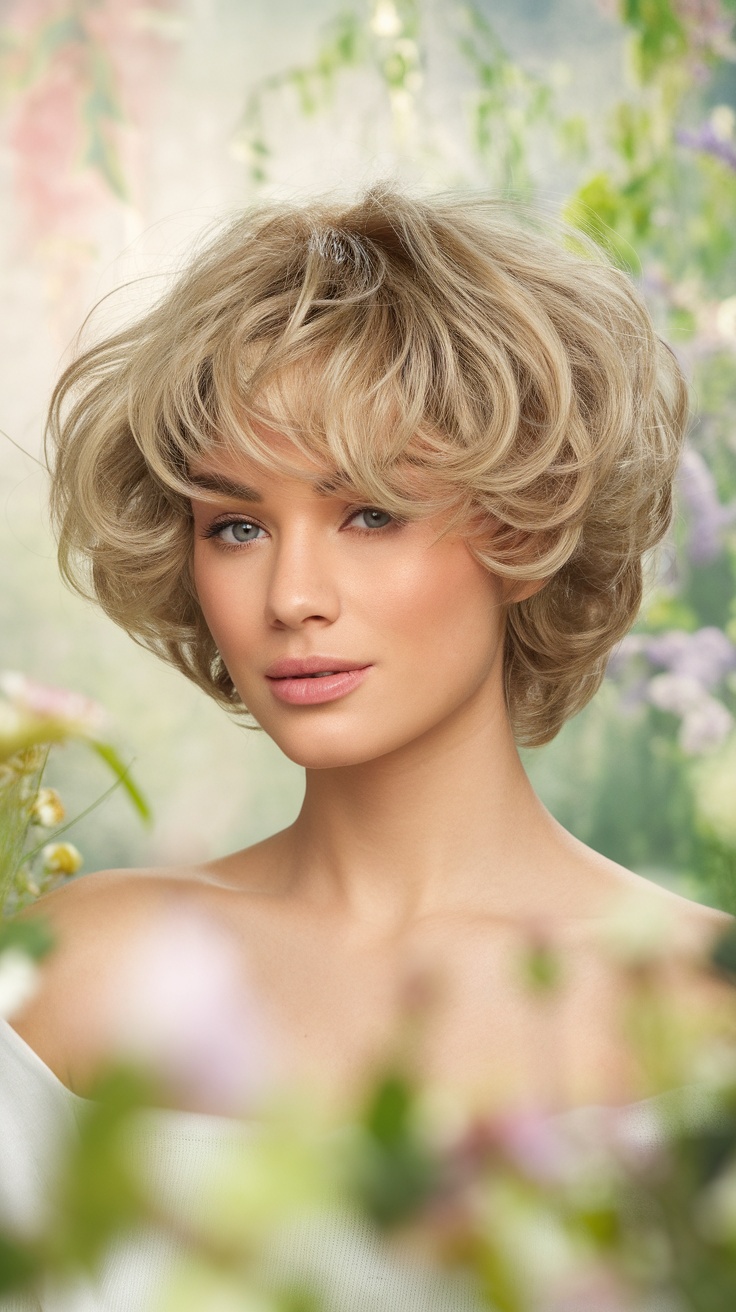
point(692, 927)
point(600, 888)
point(92, 920)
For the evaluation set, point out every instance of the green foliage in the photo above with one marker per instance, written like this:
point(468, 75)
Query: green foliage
point(19, 1264)
point(393, 1171)
point(388, 51)
point(507, 105)
point(100, 1193)
point(659, 35)
point(32, 937)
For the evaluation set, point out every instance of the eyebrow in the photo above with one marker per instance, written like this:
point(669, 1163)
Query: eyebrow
point(229, 487)
point(225, 487)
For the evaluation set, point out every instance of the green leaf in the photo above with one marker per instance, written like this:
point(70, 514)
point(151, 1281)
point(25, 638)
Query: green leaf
point(102, 156)
point(723, 954)
point(30, 936)
point(659, 36)
point(389, 1113)
point(393, 1171)
point(18, 1264)
point(122, 773)
point(100, 1193)
point(597, 209)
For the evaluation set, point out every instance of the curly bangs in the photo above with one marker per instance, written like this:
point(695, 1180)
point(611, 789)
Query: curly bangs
point(441, 355)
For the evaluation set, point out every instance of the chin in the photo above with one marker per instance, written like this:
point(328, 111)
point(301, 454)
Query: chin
point(329, 755)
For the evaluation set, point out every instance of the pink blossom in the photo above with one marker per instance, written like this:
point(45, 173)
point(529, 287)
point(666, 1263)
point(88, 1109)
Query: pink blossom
point(534, 1142)
point(186, 1012)
point(70, 709)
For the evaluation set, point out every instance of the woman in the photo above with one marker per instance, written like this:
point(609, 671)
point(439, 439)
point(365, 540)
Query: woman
point(384, 476)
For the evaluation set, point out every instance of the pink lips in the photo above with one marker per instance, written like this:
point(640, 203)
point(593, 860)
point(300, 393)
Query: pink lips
point(315, 679)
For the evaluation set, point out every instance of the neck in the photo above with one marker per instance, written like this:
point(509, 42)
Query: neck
point(447, 824)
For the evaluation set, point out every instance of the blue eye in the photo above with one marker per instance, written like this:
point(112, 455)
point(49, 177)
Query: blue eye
point(374, 518)
point(240, 530)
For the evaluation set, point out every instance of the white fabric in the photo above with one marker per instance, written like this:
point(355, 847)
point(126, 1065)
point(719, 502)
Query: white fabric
point(37, 1113)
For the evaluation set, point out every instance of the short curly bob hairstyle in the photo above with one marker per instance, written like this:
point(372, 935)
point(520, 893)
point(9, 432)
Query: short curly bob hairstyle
point(440, 355)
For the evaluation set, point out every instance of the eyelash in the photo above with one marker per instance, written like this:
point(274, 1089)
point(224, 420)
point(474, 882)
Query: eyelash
point(217, 525)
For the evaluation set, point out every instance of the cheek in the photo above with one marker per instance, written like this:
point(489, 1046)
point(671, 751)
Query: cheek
point(215, 589)
point(444, 605)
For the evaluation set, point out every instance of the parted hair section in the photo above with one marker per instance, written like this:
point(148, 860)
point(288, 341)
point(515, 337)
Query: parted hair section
point(437, 356)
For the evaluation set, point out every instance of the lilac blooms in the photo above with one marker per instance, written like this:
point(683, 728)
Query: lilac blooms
point(708, 140)
point(689, 668)
point(707, 517)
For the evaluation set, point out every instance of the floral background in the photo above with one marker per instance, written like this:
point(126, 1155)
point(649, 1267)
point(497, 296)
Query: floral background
point(130, 128)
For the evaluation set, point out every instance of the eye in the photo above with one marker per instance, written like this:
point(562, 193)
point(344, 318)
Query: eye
point(372, 518)
point(236, 532)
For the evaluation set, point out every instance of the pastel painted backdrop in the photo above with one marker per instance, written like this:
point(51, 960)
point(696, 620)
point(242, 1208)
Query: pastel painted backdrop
point(129, 128)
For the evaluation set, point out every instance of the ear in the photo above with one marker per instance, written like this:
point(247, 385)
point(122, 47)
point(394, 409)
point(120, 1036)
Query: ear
point(520, 589)
point(512, 590)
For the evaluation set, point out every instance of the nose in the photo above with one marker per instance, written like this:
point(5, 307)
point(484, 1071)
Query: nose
point(302, 585)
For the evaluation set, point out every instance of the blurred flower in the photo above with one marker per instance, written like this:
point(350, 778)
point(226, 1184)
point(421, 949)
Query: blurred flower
point(47, 809)
point(34, 713)
point(537, 1144)
point(677, 693)
point(386, 20)
point(707, 517)
point(708, 139)
point(726, 318)
point(61, 859)
point(70, 708)
point(186, 1011)
point(705, 727)
point(705, 656)
point(722, 120)
point(693, 664)
point(706, 722)
point(18, 980)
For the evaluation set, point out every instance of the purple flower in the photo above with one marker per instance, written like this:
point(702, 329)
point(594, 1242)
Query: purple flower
point(707, 517)
point(705, 727)
point(706, 138)
point(705, 656)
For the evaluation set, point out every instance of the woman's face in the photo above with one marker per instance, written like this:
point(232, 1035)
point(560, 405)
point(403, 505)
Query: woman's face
point(285, 573)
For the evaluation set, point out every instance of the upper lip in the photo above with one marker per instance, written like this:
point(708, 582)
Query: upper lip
point(291, 668)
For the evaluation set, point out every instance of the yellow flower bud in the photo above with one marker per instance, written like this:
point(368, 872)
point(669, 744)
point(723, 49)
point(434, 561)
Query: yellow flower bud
point(61, 859)
point(48, 808)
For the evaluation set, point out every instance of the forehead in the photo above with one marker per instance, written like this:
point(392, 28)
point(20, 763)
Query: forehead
point(228, 472)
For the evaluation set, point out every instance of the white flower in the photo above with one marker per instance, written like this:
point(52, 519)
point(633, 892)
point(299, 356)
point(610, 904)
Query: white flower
point(677, 693)
point(722, 121)
point(61, 859)
point(18, 980)
point(386, 20)
point(48, 808)
point(726, 318)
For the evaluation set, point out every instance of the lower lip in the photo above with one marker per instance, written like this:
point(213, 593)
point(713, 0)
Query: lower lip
point(309, 692)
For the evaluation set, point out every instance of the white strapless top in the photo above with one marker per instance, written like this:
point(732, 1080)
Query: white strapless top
point(37, 1114)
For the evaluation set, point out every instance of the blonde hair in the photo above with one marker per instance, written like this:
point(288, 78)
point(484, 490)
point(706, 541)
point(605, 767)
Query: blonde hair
point(458, 360)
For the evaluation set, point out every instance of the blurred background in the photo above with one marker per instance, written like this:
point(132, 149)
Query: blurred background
point(129, 129)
